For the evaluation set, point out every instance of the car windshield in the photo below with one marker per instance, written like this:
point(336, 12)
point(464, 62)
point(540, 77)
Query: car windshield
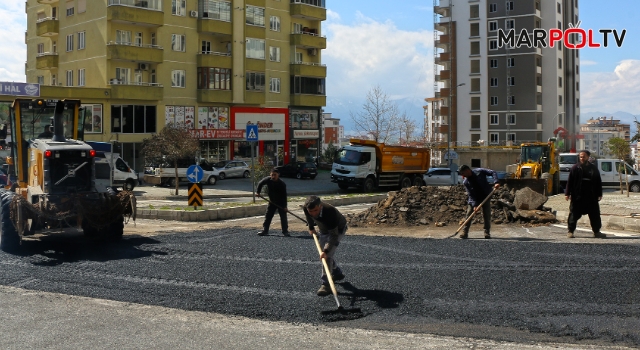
point(569, 159)
point(348, 157)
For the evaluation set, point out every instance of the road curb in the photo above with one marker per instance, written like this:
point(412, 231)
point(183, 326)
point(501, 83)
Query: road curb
point(610, 222)
point(239, 212)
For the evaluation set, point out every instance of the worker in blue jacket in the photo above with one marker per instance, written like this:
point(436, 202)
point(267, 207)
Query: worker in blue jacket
point(478, 188)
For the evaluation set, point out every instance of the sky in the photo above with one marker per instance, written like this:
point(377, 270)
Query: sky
point(378, 43)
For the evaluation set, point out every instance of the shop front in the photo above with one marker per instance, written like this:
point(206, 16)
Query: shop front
point(215, 144)
point(305, 135)
point(273, 133)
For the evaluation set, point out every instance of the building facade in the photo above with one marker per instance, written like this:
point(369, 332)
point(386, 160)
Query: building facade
point(503, 95)
point(332, 131)
point(597, 133)
point(138, 65)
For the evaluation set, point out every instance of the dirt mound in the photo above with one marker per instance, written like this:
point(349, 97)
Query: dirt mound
point(441, 206)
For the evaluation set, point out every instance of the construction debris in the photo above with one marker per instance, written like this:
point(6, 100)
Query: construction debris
point(442, 206)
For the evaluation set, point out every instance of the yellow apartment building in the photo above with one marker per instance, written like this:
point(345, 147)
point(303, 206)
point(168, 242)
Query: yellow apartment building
point(214, 66)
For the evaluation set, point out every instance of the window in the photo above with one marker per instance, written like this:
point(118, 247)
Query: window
point(511, 62)
point(474, 11)
point(54, 80)
point(494, 100)
point(511, 81)
point(123, 37)
point(559, 8)
point(177, 78)
point(298, 56)
point(41, 79)
point(493, 7)
point(179, 7)
point(475, 85)
point(474, 29)
point(493, 26)
point(54, 47)
point(255, 16)
point(559, 25)
point(510, 24)
point(577, 86)
point(577, 69)
point(255, 48)
point(274, 54)
point(69, 42)
point(493, 138)
point(307, 85)
point(153, 39)
point(82, 6)
point(178, 42)
point(493, 44)
point(577, 102)
point(559, 81)
point(206, 47)
point(475, 121)
point(560, 100)
point(559, 63)
point(475, 47)
point(274, 85)
point(511, 100)
point(274, 23)
point(81, 36)
point(137, 41)
point(214, 78)
point(81, 77)
point(476, 162)
point(122, 74)
point(475, 103)
point(133, 119)
point(40, 48)
point(509, 5)
point(511, 136)
point(494, 63)
point(255, 81)
point(493, 119)
point(493, 82)
point(475, 66)
point(511, 119)
point(70, 9)
point(69, 78)
point(297, 28)
point(220, 10)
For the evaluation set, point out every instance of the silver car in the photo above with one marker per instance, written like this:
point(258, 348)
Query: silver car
point(233, 168)
point(439, 177)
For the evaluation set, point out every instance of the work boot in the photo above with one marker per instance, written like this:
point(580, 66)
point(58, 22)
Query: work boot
point(263, 233)
point(599, 235)
point(570, 234)
point(324, 290)
point(337, 276)
point(487, 235)
point(464, 235)
point(286, 233)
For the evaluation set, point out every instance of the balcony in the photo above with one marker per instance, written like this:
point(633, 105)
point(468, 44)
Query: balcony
point(443, 9)
point(309, 40)
point(215, 96)
point(137, 12)
point(254, 97)
point(128, 52)
point(209, 25)
point(49, 26)
point(443, 58)
point(445, 74)
point(215, 59)
point(442, 41)
point(307, 11)
point(47, 2)
point(308, 69)
point(443, 129)
point(444, 92)
point(47, 60)
point(136, 91)
point(303, 100)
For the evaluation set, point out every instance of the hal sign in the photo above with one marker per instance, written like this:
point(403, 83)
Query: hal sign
point(19, 89)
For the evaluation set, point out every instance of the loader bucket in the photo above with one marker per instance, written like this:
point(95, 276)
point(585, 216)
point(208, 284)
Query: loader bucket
point(537, 185)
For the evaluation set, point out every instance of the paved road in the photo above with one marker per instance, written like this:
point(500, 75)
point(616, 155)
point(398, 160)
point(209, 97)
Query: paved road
point(525, 285)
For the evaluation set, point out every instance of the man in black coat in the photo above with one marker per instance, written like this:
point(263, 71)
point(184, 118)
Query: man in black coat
point(278, 197)
point(478, 188)
point(584, 189)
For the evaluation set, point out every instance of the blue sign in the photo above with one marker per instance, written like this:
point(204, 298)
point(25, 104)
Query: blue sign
point(195, 174)
point(19, 89)
point(252, 132)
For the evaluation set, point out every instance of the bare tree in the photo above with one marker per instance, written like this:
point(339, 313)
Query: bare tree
point(379, 117)
point(407, 127)
point(171, 144)
point(620, 148)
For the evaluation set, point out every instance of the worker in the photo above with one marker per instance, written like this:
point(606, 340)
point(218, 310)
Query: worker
point(332, 226)
point(46, 134)
point(478, 188)
point(277, 192)
point(584, 190)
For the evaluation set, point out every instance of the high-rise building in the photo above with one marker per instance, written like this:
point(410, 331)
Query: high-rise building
point(213, 65)
point(510, 94)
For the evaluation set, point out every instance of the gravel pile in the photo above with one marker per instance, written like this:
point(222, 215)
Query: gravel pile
point(441, 206)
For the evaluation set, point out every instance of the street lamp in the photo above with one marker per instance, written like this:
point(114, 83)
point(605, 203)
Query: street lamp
point(454, 175)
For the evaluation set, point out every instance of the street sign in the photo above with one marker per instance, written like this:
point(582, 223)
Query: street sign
point(252, 132)
point(450, 155)
point(195, 173)
point(195, 195)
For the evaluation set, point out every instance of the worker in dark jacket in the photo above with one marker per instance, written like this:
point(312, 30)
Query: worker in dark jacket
point(332, 226)
point(584, 189)
point(478, 188)
point(277, 191)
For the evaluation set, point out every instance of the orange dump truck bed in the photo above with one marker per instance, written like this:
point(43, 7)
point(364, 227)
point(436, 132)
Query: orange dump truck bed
point(398, 158)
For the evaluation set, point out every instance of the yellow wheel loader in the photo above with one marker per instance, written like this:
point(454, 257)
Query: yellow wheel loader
point(537, 168)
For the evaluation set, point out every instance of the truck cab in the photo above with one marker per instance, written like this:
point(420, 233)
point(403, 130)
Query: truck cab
point(352, 165)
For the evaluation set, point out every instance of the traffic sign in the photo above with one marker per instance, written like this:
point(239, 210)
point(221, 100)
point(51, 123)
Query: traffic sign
point(252, 132)
point(450, 155)
point(195, 173)
point(195, 195)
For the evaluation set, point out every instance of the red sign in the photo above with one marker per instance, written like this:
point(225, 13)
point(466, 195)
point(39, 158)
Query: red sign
point(217, 134)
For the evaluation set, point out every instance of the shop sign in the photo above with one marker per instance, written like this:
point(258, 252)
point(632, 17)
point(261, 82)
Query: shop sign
point(270, 125)
point(306, 134)
point(217, 134)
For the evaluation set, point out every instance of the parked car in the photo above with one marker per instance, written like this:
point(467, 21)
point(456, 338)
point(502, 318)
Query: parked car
point(439, 177)
point(231, 168)
point(299, 170)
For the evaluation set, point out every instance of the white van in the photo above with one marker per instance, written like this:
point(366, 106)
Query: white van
point(609, 174)
point(566, 161)
point(123, 175)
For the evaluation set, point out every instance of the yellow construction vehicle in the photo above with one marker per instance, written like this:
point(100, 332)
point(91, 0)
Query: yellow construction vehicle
point(53, 175)
point(537, 168)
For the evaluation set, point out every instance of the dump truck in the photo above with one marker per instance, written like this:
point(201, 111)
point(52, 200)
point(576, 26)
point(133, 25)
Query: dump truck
point(537, 168)
point(55, 188)
point(367, 165)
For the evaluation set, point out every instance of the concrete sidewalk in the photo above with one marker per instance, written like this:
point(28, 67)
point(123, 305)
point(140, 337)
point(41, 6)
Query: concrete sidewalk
point(618, 211)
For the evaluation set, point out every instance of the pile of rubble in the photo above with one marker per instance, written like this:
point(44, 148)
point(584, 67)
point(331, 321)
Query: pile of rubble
point(441, 206)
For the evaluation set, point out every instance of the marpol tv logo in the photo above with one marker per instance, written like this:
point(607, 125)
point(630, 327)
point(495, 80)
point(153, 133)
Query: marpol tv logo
point(573, 37)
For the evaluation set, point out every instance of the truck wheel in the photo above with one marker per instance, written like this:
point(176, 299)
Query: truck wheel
point(129, 185)
point(343, 186)
point(405, 182)
point(212, 180)
point(9, 238)
point(418, 181)
point(634, 187)
point(172, 182)
point(369, 185)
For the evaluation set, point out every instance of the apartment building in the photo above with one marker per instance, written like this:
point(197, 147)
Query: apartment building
point(598, 131)
point(212, 65)
point(332, 131)
point(503, 95)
